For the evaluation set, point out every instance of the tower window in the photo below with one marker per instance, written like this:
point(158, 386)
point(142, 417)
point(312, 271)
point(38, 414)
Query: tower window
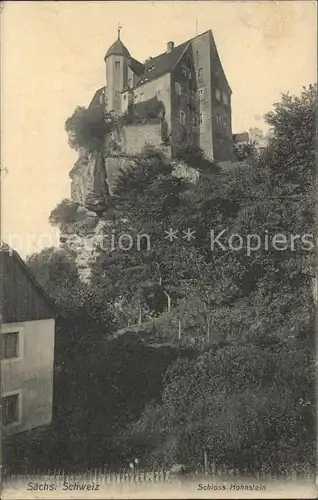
point(200, 73)
point(218, 94)
point(201, 118)
point(117, 94)
point(225, 99)
point(182, 117)
point(117, 64)
point(218, 118)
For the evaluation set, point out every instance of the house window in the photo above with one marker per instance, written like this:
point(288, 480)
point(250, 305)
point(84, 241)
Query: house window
point(182, 117)
point(218, 94)
point(117, 64)
point(225, 99)
point(200, 73)
point(200, 118)
point(178, 88)
point(10, 409)
point(10, 345)
point(201, 94)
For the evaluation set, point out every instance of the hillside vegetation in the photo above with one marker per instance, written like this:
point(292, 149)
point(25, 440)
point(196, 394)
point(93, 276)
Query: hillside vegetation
point(245, 393)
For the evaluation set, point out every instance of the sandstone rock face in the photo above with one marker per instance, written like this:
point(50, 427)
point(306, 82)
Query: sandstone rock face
point(89, 185)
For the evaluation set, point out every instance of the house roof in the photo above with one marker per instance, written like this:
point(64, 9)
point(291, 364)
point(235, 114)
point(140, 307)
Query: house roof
point(117, 49)
point(162, 64)
point(22, 298)
point(96, 101)
point(136, 66)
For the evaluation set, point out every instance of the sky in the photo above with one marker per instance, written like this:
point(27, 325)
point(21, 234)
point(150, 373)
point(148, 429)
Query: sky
point(52, 60)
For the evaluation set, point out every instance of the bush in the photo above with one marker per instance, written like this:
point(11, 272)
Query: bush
point(86, 128)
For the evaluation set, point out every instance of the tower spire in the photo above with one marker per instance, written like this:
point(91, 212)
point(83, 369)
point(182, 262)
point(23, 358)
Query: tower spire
point(119, 27)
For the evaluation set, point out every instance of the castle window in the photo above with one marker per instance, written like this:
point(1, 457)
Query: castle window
point(117, 64)
point(178, 88)
point(225, 99)
point(182, 117)
point(185, 71)
point(218, 94)
point(201, 94)
point(201, 118)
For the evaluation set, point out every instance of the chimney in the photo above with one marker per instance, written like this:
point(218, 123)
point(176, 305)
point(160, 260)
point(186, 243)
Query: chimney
point(170, 47)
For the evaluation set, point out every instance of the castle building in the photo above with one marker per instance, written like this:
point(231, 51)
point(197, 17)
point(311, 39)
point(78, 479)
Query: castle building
point(190, 83)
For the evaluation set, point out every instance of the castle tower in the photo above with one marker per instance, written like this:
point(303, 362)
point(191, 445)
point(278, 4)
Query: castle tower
point(116, 60)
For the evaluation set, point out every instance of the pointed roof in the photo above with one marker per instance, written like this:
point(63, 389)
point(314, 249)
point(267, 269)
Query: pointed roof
point(117, 49)
point(22, 298)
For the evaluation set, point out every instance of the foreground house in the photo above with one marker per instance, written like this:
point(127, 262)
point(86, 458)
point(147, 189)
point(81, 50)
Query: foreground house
point(27, 347)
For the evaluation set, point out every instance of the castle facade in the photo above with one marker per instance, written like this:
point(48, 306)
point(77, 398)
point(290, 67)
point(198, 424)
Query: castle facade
point(188, 81)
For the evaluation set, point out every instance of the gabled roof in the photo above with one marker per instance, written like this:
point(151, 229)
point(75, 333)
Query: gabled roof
point(96, 101)
point(22, 298)
point(117, 49)
point(136, 66)
point(162, 64)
